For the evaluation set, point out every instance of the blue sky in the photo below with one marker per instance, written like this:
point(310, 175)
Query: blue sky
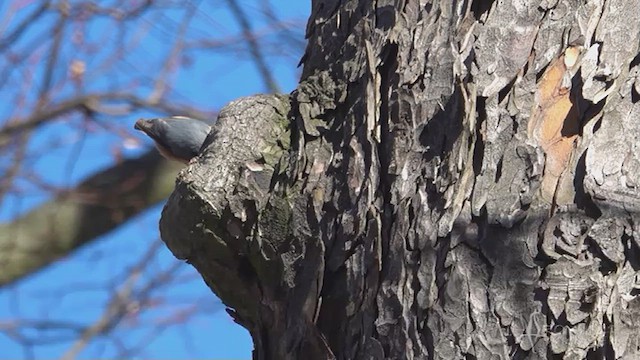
point(75, 290)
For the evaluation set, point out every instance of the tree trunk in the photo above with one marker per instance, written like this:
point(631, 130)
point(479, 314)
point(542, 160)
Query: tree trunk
point(450, 180)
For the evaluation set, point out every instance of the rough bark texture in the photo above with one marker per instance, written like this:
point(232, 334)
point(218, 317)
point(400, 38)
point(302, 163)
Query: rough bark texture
point(462, 182)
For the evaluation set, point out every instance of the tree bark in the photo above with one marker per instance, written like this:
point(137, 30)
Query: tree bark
point(449, 180)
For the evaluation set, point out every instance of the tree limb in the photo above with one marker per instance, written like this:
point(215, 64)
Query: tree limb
point(227, 217)
point(98, 205)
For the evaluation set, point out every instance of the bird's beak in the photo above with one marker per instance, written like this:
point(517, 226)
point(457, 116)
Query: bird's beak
point(141, 125)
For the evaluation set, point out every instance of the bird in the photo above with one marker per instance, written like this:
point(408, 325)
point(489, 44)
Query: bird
point(177, 138)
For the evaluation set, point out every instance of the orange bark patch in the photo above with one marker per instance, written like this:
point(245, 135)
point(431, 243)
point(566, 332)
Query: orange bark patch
point(554, 122)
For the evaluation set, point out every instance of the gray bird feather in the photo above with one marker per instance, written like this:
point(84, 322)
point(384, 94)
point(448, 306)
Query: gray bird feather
point(178, 137)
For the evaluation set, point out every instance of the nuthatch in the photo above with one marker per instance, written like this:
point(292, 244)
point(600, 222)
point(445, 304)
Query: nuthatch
point(177, 138)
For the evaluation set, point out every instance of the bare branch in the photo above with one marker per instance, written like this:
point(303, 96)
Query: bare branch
point(23, 26)
point(73, 219)
point(254, 47)
point(93, 103)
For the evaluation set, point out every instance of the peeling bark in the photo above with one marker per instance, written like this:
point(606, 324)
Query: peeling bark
point(449, 180)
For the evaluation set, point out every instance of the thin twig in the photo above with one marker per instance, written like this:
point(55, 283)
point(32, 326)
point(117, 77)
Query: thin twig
point(254, 47)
